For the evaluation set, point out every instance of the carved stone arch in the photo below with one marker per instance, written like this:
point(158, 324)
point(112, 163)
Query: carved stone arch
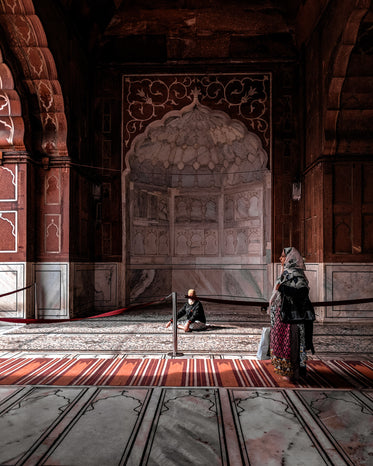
point(201, 164)
point(27, 41)
point(11, 121)
point(197, 141)
point(338, 68)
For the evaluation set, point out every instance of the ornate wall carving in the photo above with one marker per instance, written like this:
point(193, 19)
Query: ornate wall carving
point(244, 97)
point(26, 38)
point(198, 174)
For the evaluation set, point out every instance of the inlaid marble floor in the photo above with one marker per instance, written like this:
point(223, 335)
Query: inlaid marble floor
point(85, 425)
point(233, 331)
point(98, 426)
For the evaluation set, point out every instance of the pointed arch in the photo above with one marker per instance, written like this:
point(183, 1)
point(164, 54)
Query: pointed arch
point(11, 121)
point(339, 71)
point(27, 41)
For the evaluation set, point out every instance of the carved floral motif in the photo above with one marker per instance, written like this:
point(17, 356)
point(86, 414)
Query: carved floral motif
point(243, 97)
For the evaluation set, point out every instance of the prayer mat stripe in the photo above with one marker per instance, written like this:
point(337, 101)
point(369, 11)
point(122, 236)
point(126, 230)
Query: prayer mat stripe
point(354, 371)
point(151, 372)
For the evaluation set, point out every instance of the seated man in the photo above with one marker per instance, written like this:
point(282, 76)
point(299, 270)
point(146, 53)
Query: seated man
point(195, 315)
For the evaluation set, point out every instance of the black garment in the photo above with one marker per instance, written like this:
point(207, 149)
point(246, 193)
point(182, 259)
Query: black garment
point(193, 312)
point(299, 299)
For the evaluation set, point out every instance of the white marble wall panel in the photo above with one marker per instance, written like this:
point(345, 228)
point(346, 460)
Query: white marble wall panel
point(106, 285)
point(333, 282)
point(249, 282)
point(12, 277)
point(52, 289)
point(314, 273)
point(95, 285)
point(349, 281)
point(147, 284)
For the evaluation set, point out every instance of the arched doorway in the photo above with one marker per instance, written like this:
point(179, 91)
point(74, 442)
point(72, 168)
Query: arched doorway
point(197, 207)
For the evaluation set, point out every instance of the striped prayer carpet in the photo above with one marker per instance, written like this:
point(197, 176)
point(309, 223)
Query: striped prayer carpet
point(180, 373)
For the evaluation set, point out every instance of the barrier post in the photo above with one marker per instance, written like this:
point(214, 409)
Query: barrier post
point(35, 302)
point(174, 325)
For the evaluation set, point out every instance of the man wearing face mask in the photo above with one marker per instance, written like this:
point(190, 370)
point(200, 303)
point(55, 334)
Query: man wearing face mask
point(194, 313)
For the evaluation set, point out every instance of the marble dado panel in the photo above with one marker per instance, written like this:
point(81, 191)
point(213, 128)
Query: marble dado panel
point(13, 277)
point(8, 231)
point(52, 289)
point(248, 282)
point(349, 281)
point(314, 274)
point(95, 285)
point(333, 282)
point(148, 283)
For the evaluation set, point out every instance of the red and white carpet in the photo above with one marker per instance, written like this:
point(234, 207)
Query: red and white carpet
point(151, 372)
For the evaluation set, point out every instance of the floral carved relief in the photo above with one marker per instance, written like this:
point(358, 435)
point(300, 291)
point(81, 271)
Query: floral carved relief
point(244, 97)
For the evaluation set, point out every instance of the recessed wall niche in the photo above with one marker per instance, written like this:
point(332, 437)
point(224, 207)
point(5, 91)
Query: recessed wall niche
point(199, 190)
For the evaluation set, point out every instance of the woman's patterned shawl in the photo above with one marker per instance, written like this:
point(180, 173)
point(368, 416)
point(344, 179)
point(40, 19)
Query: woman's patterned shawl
point(293, 273)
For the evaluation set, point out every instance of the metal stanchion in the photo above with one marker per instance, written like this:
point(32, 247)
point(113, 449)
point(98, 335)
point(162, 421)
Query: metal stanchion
point(35, 302)
point(174, 325)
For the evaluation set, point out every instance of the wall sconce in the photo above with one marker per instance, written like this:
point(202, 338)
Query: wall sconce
point(297, 191)
point(96, 192)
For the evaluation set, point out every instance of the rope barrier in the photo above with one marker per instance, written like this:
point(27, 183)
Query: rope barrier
point(16, 320)
point(16, 291)
point(342, 302)
point(261, 304)
point(233, 301)
point(265, 304)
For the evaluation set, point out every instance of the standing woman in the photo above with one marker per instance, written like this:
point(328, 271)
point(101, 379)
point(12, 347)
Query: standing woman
point(290, 341)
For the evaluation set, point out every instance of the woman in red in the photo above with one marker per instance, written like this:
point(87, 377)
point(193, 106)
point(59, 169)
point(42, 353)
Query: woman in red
point(289, 342)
